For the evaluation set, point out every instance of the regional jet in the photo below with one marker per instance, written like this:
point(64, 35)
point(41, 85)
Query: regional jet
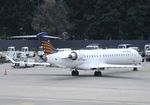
point(96, 60)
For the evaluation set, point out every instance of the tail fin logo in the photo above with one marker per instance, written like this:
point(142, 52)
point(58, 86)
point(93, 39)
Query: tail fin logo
point(48, 47)
point(45, 43)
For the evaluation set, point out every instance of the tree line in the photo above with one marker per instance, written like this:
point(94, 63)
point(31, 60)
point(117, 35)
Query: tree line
point(76, 19)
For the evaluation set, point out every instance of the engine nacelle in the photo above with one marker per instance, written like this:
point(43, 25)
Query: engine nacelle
point(73, 56)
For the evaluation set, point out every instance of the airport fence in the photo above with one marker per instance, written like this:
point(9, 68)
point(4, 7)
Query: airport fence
point(74, 44)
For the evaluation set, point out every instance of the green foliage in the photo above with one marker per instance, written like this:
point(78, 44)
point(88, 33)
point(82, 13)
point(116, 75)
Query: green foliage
point(82, 19)
point(51, 18)
point(16, 16)
point(110, 19)
point(3, 36)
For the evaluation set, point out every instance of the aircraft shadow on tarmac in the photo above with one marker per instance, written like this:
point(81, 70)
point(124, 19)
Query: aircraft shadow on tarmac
point(110, 74)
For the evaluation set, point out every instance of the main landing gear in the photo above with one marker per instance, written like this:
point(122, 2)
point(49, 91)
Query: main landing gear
point(75, 73)
point(135, 69)
point(98, 73)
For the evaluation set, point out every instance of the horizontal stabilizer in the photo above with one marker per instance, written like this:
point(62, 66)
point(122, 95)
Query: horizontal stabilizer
point(41, 35)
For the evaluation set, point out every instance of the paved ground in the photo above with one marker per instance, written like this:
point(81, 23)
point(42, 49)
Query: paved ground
point(55, 86)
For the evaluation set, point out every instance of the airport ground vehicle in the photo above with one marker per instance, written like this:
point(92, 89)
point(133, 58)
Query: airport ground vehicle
point(40, 52)
point(26, 53)
point(147, 52)
point(11, 52)
point(92, 46)
point(2, 57)
point(128, 46)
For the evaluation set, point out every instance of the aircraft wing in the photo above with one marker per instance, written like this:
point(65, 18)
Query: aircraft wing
point(11, 59)
point(115, 66)
point(32, 63)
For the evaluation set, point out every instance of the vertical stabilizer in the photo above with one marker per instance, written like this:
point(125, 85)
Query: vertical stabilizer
point(45, 42)
point(47, 46)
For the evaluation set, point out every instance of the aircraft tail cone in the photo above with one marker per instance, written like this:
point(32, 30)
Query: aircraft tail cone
point(5, 72)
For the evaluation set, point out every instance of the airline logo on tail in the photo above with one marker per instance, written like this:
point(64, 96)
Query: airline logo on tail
point(47, 46)
point(45, 43)
point(44, 37)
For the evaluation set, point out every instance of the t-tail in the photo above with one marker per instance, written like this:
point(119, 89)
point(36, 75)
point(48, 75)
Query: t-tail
point(45, 42)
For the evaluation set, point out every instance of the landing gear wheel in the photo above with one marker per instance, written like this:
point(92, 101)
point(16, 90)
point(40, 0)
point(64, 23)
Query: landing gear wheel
point(75, 73)
point(98, 73)
point(135, 69)
point(25, 65)
point(95, 73)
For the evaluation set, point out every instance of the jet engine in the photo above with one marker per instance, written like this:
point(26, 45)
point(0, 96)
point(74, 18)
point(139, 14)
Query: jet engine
point(73, 56)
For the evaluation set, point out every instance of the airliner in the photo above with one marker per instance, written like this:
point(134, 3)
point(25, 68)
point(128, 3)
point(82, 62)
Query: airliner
point(94, 59)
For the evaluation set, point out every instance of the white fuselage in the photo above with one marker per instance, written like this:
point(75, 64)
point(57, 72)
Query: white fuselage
point(90, 59)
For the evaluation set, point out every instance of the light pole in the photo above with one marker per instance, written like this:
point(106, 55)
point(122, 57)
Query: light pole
point(39, 14)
